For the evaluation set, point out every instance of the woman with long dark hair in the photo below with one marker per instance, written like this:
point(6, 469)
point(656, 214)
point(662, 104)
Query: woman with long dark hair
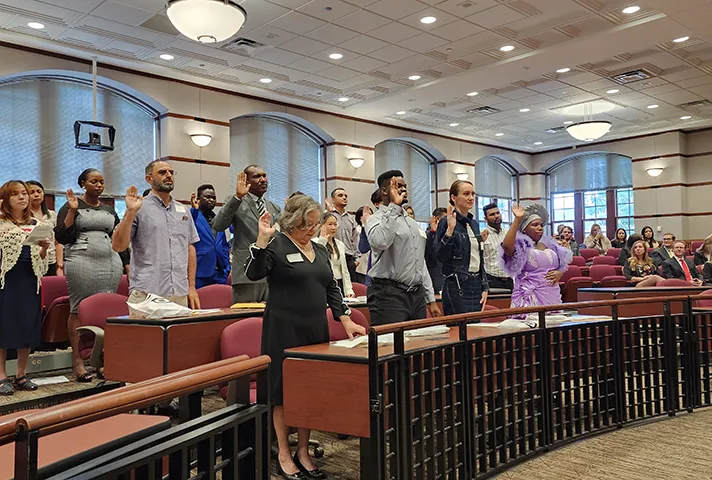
point(619, 239)
point(649, 237)
point(38, 207)
point(337, 252)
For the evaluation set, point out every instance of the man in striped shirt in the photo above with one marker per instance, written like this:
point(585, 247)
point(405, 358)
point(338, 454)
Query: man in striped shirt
point(493, 235)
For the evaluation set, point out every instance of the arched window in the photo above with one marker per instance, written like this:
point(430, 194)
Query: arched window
point(416, 162)
point(291, 155)
point(494, 183)
point(37, 116)
point(592, 187)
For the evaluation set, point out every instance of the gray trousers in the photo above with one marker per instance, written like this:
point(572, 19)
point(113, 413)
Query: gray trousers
point(249, 292)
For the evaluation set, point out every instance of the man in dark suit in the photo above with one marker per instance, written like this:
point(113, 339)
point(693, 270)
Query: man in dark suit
point(664, 252)
point(212, 251)
point(680, 267)
point(243, 211)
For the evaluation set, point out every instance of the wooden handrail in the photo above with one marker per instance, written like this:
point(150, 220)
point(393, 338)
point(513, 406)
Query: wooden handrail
point(436, 321)
point(136, 396)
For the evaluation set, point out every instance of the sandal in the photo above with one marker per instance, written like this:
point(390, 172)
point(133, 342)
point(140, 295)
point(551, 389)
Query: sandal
point(85, 377)
point(6, 387)
point(24, 383)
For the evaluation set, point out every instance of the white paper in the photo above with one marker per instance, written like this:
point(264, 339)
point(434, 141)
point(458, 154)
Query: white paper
point(42, 231)
point(510, 323)
point(361, 299)
point(50, 380)
point(428, 331)
point(386, 339)
point(206, 311)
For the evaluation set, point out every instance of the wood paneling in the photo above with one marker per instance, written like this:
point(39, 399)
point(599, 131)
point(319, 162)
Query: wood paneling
point(193, 344)
point(133, 353)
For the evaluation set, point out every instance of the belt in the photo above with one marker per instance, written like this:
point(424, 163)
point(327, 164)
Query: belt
point(393, 283)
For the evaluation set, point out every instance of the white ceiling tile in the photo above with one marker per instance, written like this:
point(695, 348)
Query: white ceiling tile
point(599, 84)
point(328, 10)
point(338, 73)
point(695, 82)
point(363, 44)
point(362, 21)
point(310, 65)
point(682, 74)
point(392, 54)
point(679, 97)
point(464, 9)
point(660, 89)
point(331, 34)
point(443, 18)
point(260, 12)
point(291, 4)
point(82, 6)
point(298, 23)
point(396, 9)
point(304, 46)
point(495, 17)
point(118, 12)
point(409, 66)
point(424, 42)
point(152, 5)
point(457, 30)
point(364, 64)
point(394, 32)
point(270, 35)
point(278, 56)
point(361, 3)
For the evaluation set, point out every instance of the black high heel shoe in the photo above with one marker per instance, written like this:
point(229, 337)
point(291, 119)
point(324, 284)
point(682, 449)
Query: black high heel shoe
point(317, 473)
point(290, 476)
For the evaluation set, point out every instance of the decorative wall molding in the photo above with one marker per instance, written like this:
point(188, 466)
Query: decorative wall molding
point(214, 163)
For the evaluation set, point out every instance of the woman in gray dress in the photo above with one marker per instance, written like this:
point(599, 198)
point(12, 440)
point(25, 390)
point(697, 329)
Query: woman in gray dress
point(84, 227)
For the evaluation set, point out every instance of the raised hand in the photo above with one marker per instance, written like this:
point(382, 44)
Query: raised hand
point(433, 224)
point(518, 211)
point(324, 233)
point(265, 226)
point(397, 196)
point(485, 234)
point(366, 214)
point(451, 220)
point(72, 200)
point(194, 200)
point(329, 205)
point(133, 200)
point(242, 188)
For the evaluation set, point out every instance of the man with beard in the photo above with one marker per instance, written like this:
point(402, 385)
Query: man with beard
point(493, 236)
point(162, 236)
point(213, 251)
point(243, 211)
point(400, 285)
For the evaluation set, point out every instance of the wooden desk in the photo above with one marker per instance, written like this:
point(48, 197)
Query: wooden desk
point(139, 349)
point(648, 309)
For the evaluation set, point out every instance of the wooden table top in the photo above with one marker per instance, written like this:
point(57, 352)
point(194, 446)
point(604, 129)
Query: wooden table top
point(671, 290)
point(224, 314)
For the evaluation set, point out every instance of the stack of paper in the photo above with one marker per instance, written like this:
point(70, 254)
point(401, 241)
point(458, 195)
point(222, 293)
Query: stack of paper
point(361, 299)
point(386, 339)
point(428, 331)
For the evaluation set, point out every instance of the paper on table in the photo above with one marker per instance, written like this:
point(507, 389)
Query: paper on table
point(509, 323)
point(427, 331)
point(361, 299)
point(205, 311)
point(386, 339)
point(50, 380)
point(42, 231)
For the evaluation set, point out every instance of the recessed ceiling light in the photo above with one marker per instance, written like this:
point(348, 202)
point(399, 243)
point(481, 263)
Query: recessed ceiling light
point(343, 99)
point(336, 56)
point(428, 20)
point(568, 122)
point(631, 9)
point(563, 70)
point(454, 124)
point(612, 91)
point(538, 143)
point(523, 110)
point(653, 106)
point(472, 94)
point(414, 77)
point(401, 112)
point(507, 48)
point(265, 80)
point(681, 39)
point(499, 134)
point(167, 56)
point(686, 117)
point(36, 25)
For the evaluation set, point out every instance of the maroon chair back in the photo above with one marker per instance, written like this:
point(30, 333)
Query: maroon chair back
point(572, 271)
point(578, 260)
point(589, 253)
point(53, 288)
point(673, 282)
point(243, 337)
point(123, 286)
point(604, 260)
point(700, 268)
point(650, 251)
point(54, 321)
point(613, 252)
point(93, 312)
point(359, 289)
point(695, 245)
point(599, 272)
point(336, 329)
point(571, 288)
point(614, 281)
point(492, 308)
point(229, 279)
point(705, 303)
point(215, 296)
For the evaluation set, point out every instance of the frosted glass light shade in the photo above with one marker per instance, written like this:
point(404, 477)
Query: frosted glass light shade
point(356, 162)
point(206, 21)
point(588, 131)
point(201, 139)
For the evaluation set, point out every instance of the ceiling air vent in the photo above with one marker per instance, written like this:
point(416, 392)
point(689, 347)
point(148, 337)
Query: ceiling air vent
point(696, 104)
point(632, 76)
point(483, 110)
point(243, 46)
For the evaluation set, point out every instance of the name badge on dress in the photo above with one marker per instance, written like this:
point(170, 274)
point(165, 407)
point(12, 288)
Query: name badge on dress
point(180, 209)
point(295, 258)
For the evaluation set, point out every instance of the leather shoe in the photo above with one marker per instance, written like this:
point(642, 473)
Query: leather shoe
point(287, 476)
point(316, 473)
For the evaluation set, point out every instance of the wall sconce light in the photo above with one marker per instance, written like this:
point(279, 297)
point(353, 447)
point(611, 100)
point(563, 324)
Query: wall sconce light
point(356, 162)
point(462, 175)
point(655, 172)
point(201, 139)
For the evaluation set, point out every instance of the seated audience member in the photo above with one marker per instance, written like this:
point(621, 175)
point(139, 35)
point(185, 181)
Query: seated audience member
point(492, 236)
point(649, 237)
point(704, 253)
point(536, 262)
point(567, 240)
point(625, 252)
point(664, 251)
point(620, 238)
point(212, 251)
point(434, 267)
point(559, 229)
point(640, 268)
point(680, 267)
point(337, 252)
point(363, 245)
point(707, 273)
point(597, 240)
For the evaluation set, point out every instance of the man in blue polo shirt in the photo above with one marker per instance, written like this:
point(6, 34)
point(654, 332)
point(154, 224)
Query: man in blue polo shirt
point(162, 236)
point(213, 251)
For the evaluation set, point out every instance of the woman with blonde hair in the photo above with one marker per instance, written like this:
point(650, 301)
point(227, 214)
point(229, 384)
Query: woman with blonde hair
point(597, 240)
point(640, 268)
point(704, 253)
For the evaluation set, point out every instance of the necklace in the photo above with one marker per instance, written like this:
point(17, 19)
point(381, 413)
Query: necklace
point(84, 199)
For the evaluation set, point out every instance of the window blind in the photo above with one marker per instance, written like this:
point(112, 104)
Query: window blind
point(37, 136)
point(291, 158)
point(417, 169)
point(492, 179)
point(590, 171)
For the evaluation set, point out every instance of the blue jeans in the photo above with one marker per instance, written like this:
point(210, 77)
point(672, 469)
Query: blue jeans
point(462, 294)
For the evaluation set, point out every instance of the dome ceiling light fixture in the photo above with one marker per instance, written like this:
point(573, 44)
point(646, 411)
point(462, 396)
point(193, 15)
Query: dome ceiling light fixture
point(201, 139)
point(589, 130)
point(206, 21)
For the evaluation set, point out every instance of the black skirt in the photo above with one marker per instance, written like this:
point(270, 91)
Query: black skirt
point(20, 306)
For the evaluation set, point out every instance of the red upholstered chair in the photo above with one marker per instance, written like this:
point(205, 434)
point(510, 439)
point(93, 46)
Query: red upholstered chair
point(492, 308)
point(123, 286)
point(55, 308)
point(572, 286)
point(700, 268)
point(614, 281)
point(650, 251)
point(578, 260)
point(229, 279)
point(705, 303)
point(359, 289)
point(674, 282)
point(336, 330)
point(695, 245)
point(93, 312)
point(613, 252)
point(215, 296)
point(604, 260)
point(243, 337)
point(589, 254)
point(599, 272)
point(571, 272)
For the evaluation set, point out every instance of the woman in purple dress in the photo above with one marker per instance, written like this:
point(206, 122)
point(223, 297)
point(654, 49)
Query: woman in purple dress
point(534, 261)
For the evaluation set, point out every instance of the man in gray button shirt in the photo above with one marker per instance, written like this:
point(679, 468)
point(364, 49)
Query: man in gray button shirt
point(162, 237)
point(401, 286)
point(347, 231)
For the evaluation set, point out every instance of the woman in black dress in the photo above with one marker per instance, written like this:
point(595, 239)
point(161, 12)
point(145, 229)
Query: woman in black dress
point(22, 269)
point(301, 284)
point(640, 268)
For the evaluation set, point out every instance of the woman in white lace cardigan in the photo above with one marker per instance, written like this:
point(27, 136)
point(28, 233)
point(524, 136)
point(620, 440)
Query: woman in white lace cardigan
point(21, 270)
point(337, 253)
